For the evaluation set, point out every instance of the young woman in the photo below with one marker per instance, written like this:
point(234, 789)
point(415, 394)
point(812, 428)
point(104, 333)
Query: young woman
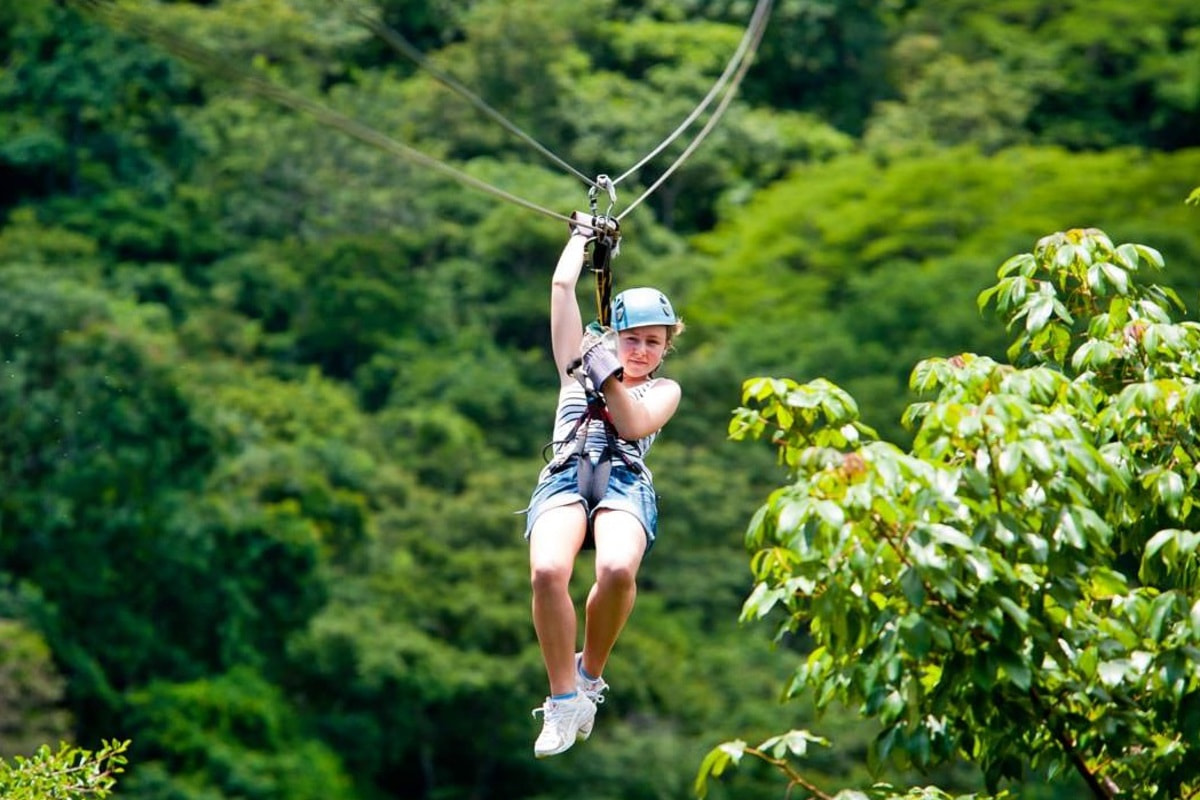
point(596, 491)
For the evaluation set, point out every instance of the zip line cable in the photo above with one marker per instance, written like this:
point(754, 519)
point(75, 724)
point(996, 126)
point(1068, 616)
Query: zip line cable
point(214, 64)
point(402, 45)
point(735, 70)
point(743, 67)
point(748, 44)
point(743, 54)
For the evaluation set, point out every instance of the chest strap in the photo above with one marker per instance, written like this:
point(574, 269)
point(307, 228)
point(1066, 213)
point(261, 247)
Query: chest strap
point(592, 474)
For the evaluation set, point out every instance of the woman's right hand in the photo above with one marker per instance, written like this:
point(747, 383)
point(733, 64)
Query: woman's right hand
point(588, 226)
point(582, 224)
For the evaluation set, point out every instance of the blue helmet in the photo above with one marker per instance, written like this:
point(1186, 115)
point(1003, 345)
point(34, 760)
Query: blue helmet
point(634, 308)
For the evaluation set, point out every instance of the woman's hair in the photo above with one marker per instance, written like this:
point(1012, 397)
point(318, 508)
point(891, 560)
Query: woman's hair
point(672, 331)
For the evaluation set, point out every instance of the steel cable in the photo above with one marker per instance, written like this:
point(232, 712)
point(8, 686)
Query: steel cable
point(755, 39)
point(749, 42)
point(214, 64)
point(403, 46)
point(735, 70)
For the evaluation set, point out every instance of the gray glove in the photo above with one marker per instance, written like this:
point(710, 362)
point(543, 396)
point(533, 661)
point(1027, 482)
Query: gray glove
point(598, 354)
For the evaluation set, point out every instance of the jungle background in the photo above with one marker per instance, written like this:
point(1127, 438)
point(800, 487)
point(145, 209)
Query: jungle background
point(270, 397)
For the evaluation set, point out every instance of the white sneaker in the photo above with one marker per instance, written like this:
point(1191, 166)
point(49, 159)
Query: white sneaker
point(591, 689)
point(562, 721)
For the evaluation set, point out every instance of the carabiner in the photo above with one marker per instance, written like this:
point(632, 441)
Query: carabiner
point(603, 182)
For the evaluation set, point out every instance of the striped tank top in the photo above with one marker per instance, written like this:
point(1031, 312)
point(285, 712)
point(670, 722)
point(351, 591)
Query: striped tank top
point(572, 403)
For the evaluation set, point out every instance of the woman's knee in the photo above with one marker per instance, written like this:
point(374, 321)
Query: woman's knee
point(553, 544)
point(549, 576)
point(616, 576)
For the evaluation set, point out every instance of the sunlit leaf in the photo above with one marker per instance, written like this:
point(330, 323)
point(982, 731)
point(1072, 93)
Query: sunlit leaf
point(1113, 672)
point(1150, 255)
point(1018, 615)
point(1039, 454)
point(1116, 276)
point(1039, 308)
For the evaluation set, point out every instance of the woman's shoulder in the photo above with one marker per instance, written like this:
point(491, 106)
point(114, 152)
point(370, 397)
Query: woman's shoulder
point(660, 392)
point(658, 385)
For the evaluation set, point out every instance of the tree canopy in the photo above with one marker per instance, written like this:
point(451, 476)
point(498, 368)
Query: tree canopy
point(273, 388)
point(1018, 589)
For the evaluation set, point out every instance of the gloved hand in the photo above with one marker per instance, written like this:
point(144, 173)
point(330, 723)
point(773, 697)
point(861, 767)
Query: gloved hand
point(598, 355)
point(583, 224)
point(588, 226)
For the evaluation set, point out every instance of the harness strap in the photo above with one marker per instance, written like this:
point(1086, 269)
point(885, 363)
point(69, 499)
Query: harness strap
point(605, 245)
point(593, 475)
point(603, 248)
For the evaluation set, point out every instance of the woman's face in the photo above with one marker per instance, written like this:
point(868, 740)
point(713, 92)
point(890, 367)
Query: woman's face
point(641, 350)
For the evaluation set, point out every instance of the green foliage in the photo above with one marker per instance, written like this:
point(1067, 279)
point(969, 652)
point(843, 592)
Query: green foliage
point(949, 102)
point(31, 691)
point(844, 288)
point(104, 112)
point(487, 391)
point(1113, 76)
point(333, 304)
point(231, 736)
point(271, 174)
point(99, 447)
point(980, 595)
point(98, 132)
point(425, 24)
point(270, 394)
point(69, 773)
point(24, 240)
point(820, 57)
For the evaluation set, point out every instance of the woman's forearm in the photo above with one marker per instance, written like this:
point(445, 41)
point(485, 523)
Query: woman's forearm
point(570, 264)
point(566, 321)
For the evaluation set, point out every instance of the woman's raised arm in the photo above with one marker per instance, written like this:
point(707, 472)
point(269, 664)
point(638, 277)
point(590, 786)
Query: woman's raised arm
point(566, 322)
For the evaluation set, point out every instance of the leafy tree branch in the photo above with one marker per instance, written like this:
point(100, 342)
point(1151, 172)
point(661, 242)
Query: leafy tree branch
point(950, 590)
point(69, 773)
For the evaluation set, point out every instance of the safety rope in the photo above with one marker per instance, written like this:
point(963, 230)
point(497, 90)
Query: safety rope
point(405, 48)
point(746, 47)
point(224, 68)
point(604, 246)
point(756, 30)
point(735, 71)
point(600, 262)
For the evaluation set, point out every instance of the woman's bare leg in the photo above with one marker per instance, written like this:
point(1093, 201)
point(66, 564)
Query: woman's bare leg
point(620, 545)
point(554, 543)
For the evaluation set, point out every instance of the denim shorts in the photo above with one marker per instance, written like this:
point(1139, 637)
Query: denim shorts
point(627, 491)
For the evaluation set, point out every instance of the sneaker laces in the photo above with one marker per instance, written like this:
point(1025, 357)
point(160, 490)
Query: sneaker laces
point(550, 710)
point(595, 689)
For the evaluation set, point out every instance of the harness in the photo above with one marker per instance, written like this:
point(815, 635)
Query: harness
point(594, 470)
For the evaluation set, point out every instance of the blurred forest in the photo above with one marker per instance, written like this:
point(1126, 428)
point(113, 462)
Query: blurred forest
point(271, 396)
